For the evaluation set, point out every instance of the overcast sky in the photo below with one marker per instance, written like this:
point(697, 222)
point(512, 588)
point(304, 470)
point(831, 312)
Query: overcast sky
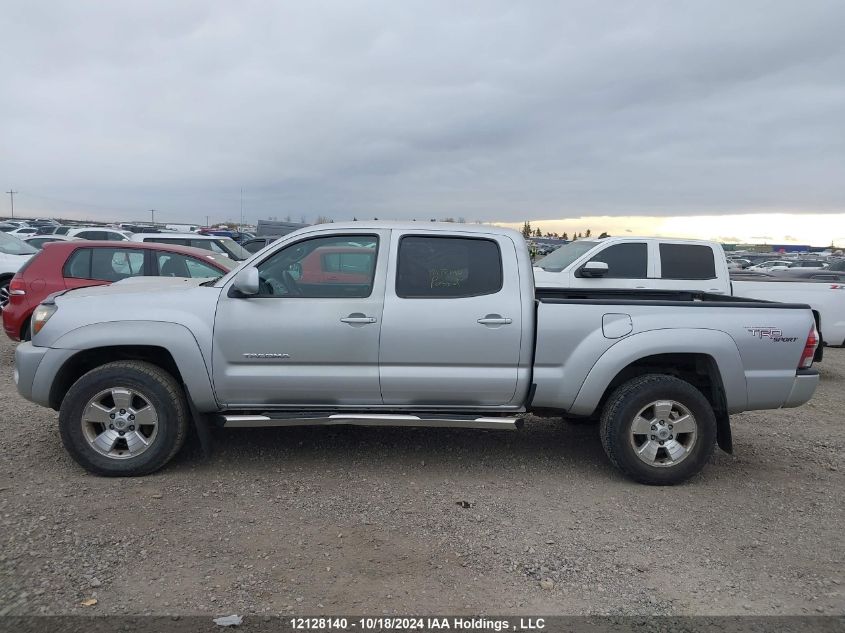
point(494, 111)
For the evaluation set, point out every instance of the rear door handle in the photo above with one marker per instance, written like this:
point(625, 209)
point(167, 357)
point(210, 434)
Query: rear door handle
point(358, 318)
point(495, 319)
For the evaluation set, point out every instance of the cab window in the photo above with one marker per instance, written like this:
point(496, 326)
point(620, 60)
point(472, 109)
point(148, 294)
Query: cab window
point(687, 261)
point(296, 270)
point(628, 260)
point(448, 267)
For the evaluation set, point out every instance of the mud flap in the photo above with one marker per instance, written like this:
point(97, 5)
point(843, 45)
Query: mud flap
point(201, 426)
point(723, 432)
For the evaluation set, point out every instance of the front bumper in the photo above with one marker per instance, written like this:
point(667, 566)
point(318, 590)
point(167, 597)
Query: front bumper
point(803, 388)
point(35, 370)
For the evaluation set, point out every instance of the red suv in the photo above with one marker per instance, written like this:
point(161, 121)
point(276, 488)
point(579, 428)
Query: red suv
point(67, 265)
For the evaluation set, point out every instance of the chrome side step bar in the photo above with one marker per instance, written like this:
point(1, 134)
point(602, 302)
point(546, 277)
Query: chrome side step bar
point(371, 419)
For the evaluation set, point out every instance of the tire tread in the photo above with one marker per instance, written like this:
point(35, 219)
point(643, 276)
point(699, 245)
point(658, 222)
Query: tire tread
point(157, 374)
point(611, 418)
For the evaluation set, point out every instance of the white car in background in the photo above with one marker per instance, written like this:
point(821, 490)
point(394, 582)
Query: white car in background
point(215, 243)
point(99, 233)
point(24, 230)
point(38, 241)
point(787, 264)
point(14, 253)
point(657, 263)
point(772, 264)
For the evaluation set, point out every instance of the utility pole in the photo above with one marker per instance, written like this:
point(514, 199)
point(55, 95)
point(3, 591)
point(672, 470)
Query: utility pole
point(206, 221)
point(241, 225)
point(12, 197)
point(153, 215)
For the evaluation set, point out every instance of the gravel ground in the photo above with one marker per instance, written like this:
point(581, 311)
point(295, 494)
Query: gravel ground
point(372, 521)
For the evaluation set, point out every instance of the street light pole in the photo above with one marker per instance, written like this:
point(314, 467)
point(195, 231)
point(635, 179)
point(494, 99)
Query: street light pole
point(12, 197)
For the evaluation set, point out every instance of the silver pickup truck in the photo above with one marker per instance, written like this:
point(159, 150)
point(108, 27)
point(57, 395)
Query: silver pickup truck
point(407, 324)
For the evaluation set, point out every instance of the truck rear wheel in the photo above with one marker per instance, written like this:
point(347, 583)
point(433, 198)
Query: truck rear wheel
point(124, 419)
point(658, 430)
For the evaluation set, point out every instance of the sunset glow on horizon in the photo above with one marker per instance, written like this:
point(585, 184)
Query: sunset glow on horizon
point(816, 229)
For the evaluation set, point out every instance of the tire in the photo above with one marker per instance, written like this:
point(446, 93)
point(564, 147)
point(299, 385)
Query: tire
point(641, 405)
point(118, 394)
point(4, 292)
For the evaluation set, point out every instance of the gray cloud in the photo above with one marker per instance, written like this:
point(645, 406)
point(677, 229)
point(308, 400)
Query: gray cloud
point(489, 110)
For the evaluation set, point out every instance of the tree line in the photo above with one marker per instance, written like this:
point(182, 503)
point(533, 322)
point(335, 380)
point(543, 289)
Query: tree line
point(529, 232)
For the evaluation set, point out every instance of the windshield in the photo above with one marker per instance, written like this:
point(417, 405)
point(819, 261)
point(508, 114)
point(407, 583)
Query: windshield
point(10, 245)
point(223, 261)
point(236, 250)
point(565, 255)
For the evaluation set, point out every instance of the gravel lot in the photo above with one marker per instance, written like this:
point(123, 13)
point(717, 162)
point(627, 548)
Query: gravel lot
point(371, 521)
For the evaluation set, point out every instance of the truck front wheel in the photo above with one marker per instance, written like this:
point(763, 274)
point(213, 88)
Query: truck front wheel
point(124, 419)
point(658, 429)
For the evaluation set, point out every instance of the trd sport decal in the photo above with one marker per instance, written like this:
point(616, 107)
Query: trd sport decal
point(772, 333)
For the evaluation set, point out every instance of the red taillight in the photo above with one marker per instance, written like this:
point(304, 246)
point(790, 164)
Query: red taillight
point(17, 287)
point(809, 349)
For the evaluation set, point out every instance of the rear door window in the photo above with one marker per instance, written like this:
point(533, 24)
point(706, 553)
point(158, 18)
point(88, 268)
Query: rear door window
point(448, 267)
point(105, 264)
point(687, 261)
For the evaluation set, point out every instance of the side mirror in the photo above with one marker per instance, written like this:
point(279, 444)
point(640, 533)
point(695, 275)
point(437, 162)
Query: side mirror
point(247, 282)
point(594, 269)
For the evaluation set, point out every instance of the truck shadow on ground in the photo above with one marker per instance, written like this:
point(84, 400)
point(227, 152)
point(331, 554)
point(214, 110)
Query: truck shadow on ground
point(542, 441)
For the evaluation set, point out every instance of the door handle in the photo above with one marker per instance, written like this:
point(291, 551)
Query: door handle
point(495, 319)
point(357, 318)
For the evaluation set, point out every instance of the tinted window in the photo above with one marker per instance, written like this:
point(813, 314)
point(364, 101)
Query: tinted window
point(106, 264)
point(625, 261)
point(172, 240)
point(448, 267)
point(296, 270)
point(176, 265)
point(686, 261)
point(254, 246)
point(39, 242)
point(92, 235)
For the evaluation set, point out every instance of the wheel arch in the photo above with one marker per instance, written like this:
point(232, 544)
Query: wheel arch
point(169, 346)
point(708, 359)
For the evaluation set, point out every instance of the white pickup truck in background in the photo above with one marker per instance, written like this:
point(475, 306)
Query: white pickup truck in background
point(676, 264)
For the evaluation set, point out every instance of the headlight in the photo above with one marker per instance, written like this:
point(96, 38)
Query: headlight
point(41, 315)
